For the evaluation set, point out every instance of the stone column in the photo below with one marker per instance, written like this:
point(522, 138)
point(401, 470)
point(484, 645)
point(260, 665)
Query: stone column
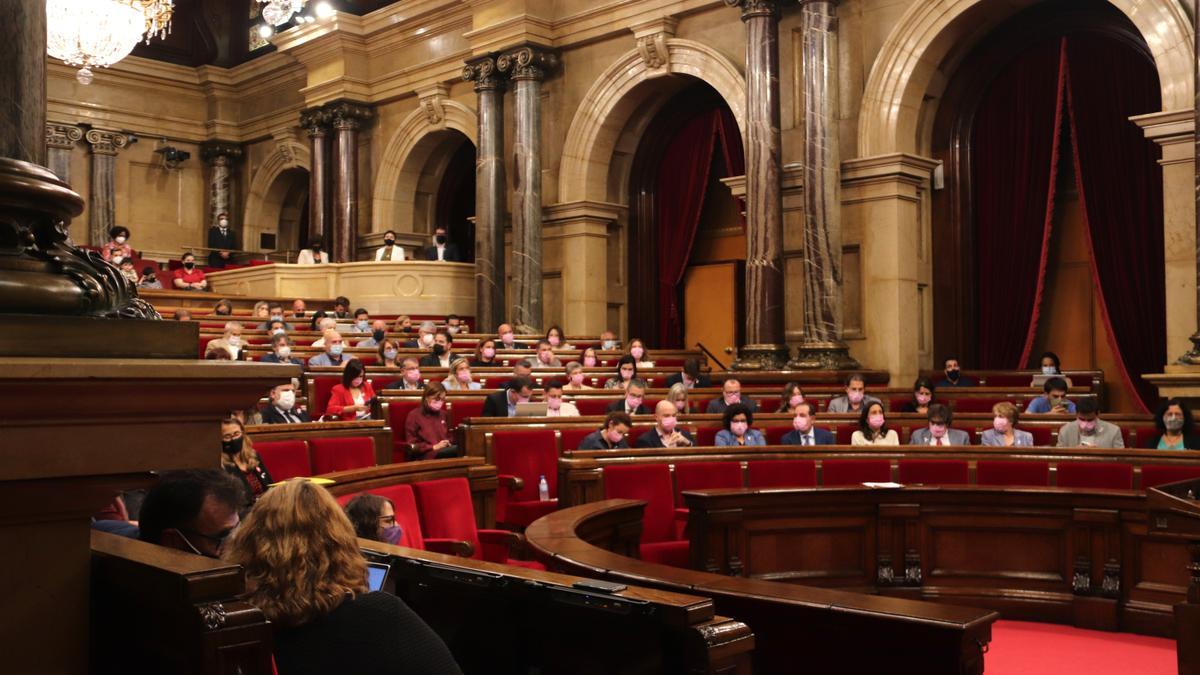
point(821, 346)
point(316, 123)
point(347, 119)
point(102, 207)
point(490, 211)
point(23, 61)
point(60, 141)
point(221, 157)
point(1192, 358)
point(765, 348)
point(527, 67)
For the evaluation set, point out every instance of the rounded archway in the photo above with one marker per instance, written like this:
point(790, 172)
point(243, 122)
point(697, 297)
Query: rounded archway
point(280, 185)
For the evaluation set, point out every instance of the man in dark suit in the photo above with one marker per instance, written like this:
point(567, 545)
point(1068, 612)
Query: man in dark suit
point(665, 434)
point(222, 238)
point(442, 249)
point(731, 393)
point(803, 432)
point(283, 407)
point(439, 355)
point(632, 403)
point(504, 402)
point(691, 377)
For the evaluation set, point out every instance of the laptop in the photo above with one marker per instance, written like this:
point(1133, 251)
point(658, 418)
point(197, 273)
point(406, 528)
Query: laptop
point(531, 409)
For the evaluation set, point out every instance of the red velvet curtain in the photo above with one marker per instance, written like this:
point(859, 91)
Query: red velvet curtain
point(1016, 152)
point(682, 183)
point(1120, 191)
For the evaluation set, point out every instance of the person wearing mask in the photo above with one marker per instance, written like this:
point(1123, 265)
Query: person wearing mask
point(872, 427)
point(389, 353)
point(221, 237)
point(193, 511)
point(791, 396)
point(555, 405)
point(1054, 401)
point(731, 393)
point(626, 371)
point(362, 321)
point(189, 277)
point(504, 402)
point(223, 308)
point(313, 255)
point(637, 349)
point(283, 408)
point(737, 420)
point(923, 391)
point(230, 341)
point(507, 338)
point(411, 380)
point(281, 351)
point(523, 368)
point(855, 399)
point(545, 355)
point(575, 377)
point(1004, 431)
point(424, 338)
point(803, 432)
point(117, 248)
point(341, 307)
point(323, 617)
point(666, 433)
point(554, 336)
point(690, 376)
point(332, 356)
point(239, 459)
point(378, 329)
point(351, 400)
point(261, 310)
point(609, 342)
point(939, 432)
point(612, 436)
point(1173, 420)
point(439, 355)
point(678, 396)
point(588, 358)
point(485, 354)
point(1088, 430)
point(149, 279)
point(427, 428)
point(389, 252)
point(459, 378)
point(953, 375)
point(454, 324)
point(1050, 366)
point(182, 314)
point(402, 324)
point(299, 309)
point(276, 327)
point(374, 518)
point(632, 404)
point(327, 325)
point(442, 248)
point(275, 313)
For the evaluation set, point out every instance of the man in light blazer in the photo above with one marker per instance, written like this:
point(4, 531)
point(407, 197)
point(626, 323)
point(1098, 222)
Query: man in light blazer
point(939, 432)
point(1088, 430)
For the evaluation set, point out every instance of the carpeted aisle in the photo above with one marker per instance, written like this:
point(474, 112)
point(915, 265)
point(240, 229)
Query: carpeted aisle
point(1023, 648)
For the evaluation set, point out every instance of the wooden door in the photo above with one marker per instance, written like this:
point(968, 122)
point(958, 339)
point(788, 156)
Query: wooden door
point(710, 307)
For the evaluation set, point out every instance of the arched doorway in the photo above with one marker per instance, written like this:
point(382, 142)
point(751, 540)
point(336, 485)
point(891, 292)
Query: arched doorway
point(432, 184)
point(282, 216)
point(455, 206)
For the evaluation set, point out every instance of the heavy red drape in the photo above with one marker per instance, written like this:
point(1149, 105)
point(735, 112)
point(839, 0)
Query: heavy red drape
point(1121, 194)
point(682, 183)
point(1016, 151)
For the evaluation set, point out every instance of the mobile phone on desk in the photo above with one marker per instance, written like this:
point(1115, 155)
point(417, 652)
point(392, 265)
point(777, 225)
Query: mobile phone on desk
point(598, 586)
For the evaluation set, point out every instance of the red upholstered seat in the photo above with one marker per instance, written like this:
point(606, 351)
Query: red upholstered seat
point(284, 459)
point(845, 432)
point(768, 404)
point(340, 454)
point(934, 471)
point(771, 473)
point(706, 476)
point(571, 438)
point(650, 483)
point(992, 472)
point(527, 455)
point(636, 433)
point(1043, 436)
point(592, 405)
point(462, 408)
point(775, 434)
point(853, 471)
point(396, 414)
point(896, 403)
point(385, 382)
point(707, 435)
point(1008, 379)
point(1161, 474)
point(447, 513)
point(204, 340)
point(1095, 475)
point(1143, 435)
point(321, 390)
point(974, 405)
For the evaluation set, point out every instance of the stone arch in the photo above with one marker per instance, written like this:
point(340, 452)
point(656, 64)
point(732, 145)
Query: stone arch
point(617, 95)
point(933, 35)
point(418, 137)
point(268, 193)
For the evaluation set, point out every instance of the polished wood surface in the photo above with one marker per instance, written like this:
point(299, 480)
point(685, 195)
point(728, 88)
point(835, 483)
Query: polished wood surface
point(1173, 508)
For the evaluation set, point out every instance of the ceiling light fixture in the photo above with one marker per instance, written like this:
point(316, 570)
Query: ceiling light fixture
point(99, 33)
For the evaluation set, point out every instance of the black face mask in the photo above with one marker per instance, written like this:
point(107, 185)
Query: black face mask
point(316, 248)
point(951, 375)
point(441, 239)
point(389, 242)
point(232, 447)
point(189, 265)
point(438, 350)
point(378, 335)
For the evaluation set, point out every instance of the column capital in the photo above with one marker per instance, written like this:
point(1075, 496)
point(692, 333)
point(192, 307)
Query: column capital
point(529, 62)
point(315, 121)
point(106, 142)
point(62, 136)
point(220, 151)
point(349, 115)
point(483, 71)
point(816, 2)
point(758, 8)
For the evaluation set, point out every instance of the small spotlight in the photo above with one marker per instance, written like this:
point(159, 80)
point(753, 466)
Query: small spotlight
point(265, 31)
point(324, 10)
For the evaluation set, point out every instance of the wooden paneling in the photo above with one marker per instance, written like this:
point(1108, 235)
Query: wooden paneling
point(710, 303)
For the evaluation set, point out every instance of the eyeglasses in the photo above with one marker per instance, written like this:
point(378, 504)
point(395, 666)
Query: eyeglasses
point(388, 520)
point(217, 540)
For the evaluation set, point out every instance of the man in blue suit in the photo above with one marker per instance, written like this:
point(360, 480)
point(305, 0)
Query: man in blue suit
point(803, 432)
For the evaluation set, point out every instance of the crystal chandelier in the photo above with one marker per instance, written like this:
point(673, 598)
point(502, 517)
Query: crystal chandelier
point(279, 12)
point(98, 33)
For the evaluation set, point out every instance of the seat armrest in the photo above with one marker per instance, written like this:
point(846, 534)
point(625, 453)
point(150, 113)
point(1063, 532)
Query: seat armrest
point(455, 547)
point(501, 537)
point(511, 483)
point(681, 523)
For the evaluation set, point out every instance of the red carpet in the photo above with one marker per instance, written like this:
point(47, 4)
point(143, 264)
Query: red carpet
point(1022, 648)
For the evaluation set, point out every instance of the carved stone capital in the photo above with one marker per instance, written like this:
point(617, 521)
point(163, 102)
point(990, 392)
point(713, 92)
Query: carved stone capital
point(349, 115)
point(433, 101)
point(756, 8)
point(106, 142)
point(823, 356)
point(315, 121)
point(761, 357)
point(62, 136)
point(484, 73)
point(527, 63)
point(221, 152)
point(652, 39)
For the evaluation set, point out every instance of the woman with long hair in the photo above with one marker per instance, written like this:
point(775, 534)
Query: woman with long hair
point(239, 458)
point(351, 399)
point(374, 517)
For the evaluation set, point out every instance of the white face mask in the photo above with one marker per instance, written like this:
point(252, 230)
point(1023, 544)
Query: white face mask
point(427, 339)
point(287, 399)
point(120, 240)
point(1049, 370)
point(284, 352)
point(235, 340)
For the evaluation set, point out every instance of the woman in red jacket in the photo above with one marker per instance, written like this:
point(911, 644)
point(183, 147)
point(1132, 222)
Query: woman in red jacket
point(351, 400)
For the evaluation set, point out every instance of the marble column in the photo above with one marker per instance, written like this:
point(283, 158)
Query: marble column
point(60, 142)
point(102, 207)
point(527, 66)
point(1192, 358)
point(221, 157)
point(765, 348)
point(316, 123)
point(23, 61)
point(822, 346)
point(347, 119)
point(490, 211)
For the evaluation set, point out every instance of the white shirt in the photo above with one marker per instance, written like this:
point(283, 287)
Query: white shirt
point(565, 409)
point(441, 250)
point(397, 253)
point(306, 257)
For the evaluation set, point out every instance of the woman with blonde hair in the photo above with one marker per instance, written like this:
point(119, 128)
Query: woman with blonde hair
point(305, 572)
point(678, 395)
point(239, 458)
point(459, 378)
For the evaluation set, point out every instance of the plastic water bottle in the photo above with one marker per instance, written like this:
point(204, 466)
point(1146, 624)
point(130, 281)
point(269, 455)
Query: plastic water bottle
point(543, 489)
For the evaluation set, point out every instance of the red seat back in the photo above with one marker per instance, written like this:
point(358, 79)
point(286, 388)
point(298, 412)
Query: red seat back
point(775, 434)
point(407, 515)
point(1143, 435)
point(706, 476)
point(768, 404)
point(340, 454)
point(284, 459)
point(853, 471)
point(845, 432)
point(771, 473)
point(592, 405)
point(896, 403)
point(993, 472)
point(462, 408)
point(527, 455)
point(1161, 474)
point(934, 471)
point(974, 405)
point(447, 511)
point(1043, 436)
point(650, 483)
point(706, 436)
point(571, 438)
point(397, 415)
point(1111, 475)
point(322, 388)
